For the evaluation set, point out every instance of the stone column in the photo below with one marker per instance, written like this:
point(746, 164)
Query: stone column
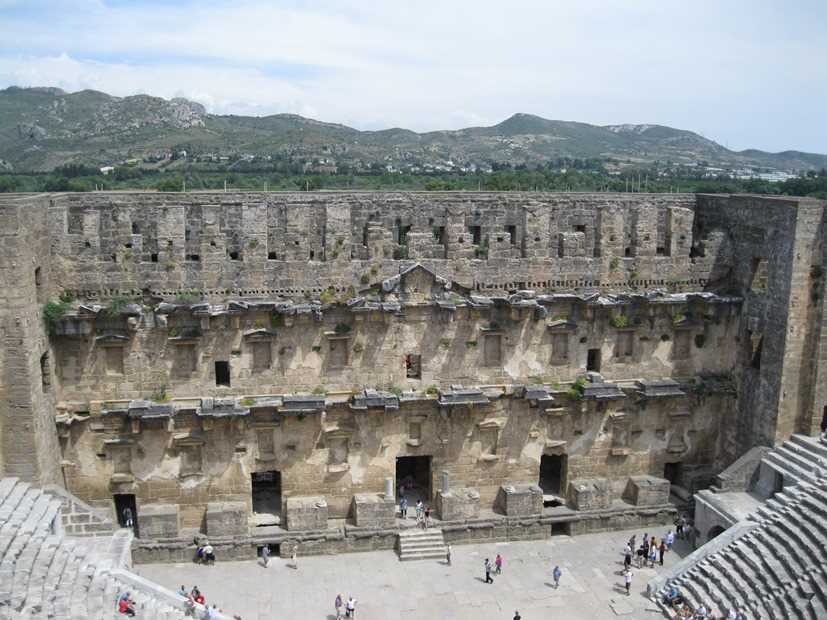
point(446, 481)
point(389, 488)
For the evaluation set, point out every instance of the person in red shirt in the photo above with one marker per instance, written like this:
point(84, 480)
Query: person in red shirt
point(125, 606)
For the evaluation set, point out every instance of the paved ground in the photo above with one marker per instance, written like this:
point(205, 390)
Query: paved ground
point(591, 587)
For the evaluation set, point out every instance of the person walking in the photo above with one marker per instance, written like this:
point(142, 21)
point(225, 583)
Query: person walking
point(419, 507)
point(403, 508)
point(265, 555)
point(679, 523)
point(488, 571)
point(627, 557)
point(350, 608)
point(556, 574)
point(295, 560)
point(627, 580)
point(448, 554)
point(337, 604)
point(427, 520)
point(662, 550)
point(670, 539)
point(517, 615)
point(498, 564)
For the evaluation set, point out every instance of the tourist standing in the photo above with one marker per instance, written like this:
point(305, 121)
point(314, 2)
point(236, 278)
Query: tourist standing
point(653, 556)
point(403, 508)
point(419, 507)
point(679, 523)
point(662, 550)
point(427, 520)
point(670, 539)
point(488, 571)
point(517, 615)
point(627, 580)
point(448, 554)
point(627, 557)
point(338, 605)
point(350, 608)
point(556, 574)
point(265, 555)
point(295, 559)
point(498, 563)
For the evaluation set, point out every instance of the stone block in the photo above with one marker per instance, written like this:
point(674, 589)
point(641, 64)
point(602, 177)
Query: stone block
point(158, 521)
point(589, 494)
point(227, 519)
point(373, 510)
point(306, 513)
point(519, 500)
point(647, 491)
point(458, 504)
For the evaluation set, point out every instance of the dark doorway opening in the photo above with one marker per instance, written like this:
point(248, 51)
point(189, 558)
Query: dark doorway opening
point(552, 474)
point(413, 478)
point(222, 373)
point(413, 366)
point(715, 531)
point(673, 472)
point(824, 420)
point(266, 492)
point(274, 549)
point(561, 529)
point(593, 360)
point(126, 511)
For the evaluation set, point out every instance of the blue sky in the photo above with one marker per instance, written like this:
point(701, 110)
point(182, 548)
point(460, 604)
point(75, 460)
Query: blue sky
point(749, 74)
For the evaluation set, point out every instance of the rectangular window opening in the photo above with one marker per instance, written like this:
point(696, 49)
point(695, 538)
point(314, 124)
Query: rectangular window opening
point(413, 366)
point(222, 374)
point(476, 234)
point(593, 360)
point(45, 372)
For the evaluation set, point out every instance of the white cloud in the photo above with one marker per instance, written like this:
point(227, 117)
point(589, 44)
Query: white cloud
point(731, 70)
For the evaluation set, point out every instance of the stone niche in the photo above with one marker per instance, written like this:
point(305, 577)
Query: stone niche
point(306, 513)
point(227, 519)
point(375, 510)
point(158, 521)
point(520, 500)
point(458, 504)
point(647, 491)
point(589, 494)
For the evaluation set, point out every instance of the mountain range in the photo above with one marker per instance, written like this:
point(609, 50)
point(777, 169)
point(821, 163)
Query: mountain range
point(43, 128)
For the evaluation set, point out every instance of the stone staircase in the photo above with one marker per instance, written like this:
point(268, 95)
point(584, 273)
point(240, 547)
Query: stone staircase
point(418, 544)
point(779, 568)
point(44, 574)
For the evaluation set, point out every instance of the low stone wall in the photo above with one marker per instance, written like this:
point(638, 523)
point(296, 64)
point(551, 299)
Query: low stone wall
point(351, 539)
point(78, 518)
point(742, 474)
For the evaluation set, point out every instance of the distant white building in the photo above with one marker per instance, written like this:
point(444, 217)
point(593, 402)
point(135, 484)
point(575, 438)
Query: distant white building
point(107, 170)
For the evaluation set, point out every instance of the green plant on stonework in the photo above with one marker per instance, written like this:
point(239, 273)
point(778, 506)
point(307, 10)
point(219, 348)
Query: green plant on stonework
point(319, 390)
point(432, 390)
point(374, 270)
point(358, 347)
point(445, 342)
point(173, 332)
point(816, 271)
point(634, 275)
point(395, 390)
point(342, 328)
point(678, 318)
point(328, 296)
point(253, 244)
point(578, 387)
point(276, 320)
point(619, 321)
point(185, 297)
point(247, 401)
point(53, 311)
point(116, 306)
point(560, 317)
point(160, 395)
point(169, 266)
point(364, 278)
point(259, 324)
point(470, 343)
point(614, 264)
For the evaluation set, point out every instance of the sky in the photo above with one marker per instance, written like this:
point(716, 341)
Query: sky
point(746, 73)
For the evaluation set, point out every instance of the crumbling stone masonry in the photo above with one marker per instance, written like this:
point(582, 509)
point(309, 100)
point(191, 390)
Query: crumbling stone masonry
point(239, 362)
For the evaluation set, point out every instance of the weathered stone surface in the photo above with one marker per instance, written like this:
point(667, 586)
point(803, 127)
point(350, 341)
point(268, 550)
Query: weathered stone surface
point(373, 510)
point(518, 500)
point(158, 521)
point(227, 519)
point(306, 513)
point(589, 494)
point(457, 504)
point(646, 491)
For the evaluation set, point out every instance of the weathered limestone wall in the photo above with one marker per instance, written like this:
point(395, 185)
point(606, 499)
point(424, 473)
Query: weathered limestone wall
point(28, 441)
point(260, 244)
point(776, 252)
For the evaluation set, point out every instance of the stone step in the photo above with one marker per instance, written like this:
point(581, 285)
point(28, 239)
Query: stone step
point(790, 471)
point(421, 545)
point(801, 457)
point(422, 555)
point(812, 444)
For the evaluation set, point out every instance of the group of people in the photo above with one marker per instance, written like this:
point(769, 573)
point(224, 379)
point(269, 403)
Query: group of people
point(683, 611)
point(423, 512)
point(349, 607)
point(650, 550)
point(204, 553)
